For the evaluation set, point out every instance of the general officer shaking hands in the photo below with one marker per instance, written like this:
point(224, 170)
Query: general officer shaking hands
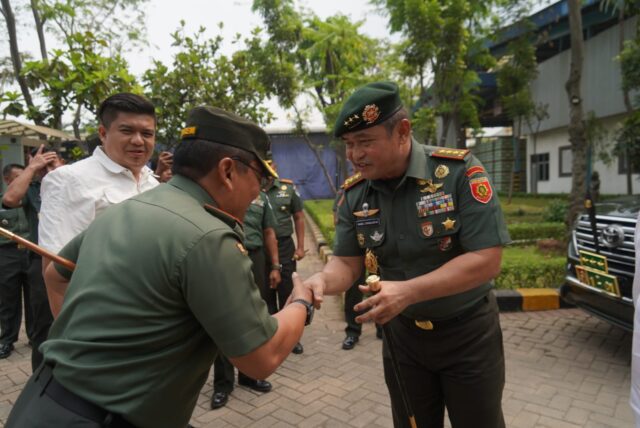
point(162, 284)
point(427, 220)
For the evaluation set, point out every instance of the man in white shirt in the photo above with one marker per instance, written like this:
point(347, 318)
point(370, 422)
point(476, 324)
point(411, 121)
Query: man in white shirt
point(74, 195)
point(635, 350)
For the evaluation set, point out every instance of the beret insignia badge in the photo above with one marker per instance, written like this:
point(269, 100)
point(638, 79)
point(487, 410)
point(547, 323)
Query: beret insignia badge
point(371, 113)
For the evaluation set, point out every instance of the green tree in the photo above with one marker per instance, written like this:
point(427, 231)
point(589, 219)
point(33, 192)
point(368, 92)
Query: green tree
point(199, 74)
point(86, 65)
point(323, 60)
point(441, 50)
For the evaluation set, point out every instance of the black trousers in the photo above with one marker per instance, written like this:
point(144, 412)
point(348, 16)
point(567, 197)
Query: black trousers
point(21, 280)
point(277, 298)
point(352, 297)
point(460, 366)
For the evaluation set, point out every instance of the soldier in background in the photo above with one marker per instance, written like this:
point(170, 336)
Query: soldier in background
point(286, 203)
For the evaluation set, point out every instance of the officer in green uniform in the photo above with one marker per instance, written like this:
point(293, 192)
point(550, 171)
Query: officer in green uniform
point(427, 220)
point(259, 224)
point(286, 203)
point(14, 272)
point(23, 194)
point(162, 284)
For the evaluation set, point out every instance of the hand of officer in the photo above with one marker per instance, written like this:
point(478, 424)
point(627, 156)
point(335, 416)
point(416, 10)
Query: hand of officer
point(299, 254)
point(386, 304)
point(41, 160)
point(300, 290)
point(274, 279)
point(316, 285)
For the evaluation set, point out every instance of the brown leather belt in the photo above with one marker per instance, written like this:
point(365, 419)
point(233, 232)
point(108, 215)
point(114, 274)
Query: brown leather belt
point(424, 324)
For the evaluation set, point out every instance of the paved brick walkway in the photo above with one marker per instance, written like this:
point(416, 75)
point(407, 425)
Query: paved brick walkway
point(564, 369)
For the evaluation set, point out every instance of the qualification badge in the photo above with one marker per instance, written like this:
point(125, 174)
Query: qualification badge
point(360, 237)
point(441, 171)
point(445, 243)
point(431, 187)
point(283, 187)
point(371, 262)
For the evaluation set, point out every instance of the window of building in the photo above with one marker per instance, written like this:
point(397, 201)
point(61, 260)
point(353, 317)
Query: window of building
point(622, 165)
point(540, 166)
point(566, 160)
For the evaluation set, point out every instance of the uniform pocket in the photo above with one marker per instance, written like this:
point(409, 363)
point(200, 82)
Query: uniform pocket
point(370, 232)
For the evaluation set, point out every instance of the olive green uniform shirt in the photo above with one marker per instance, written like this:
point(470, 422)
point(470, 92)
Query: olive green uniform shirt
point(414, 226)
point(162, 284)
point(285, 202)
point(14, 220)
point(259, 217)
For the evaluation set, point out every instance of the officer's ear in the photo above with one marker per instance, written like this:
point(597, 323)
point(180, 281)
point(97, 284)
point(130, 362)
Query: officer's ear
point(403, 128)
point(226, 172)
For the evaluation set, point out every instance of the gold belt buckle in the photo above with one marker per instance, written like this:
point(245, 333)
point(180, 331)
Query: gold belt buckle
point(424, 325)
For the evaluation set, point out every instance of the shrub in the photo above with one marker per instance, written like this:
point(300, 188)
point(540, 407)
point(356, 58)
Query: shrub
point(531, 231)
point(526, 268)
point(556, 211)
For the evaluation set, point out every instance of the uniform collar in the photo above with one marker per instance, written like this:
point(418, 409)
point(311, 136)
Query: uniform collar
point(417, 166)
point(193, 189)
point(116, 168)
point(274, 183)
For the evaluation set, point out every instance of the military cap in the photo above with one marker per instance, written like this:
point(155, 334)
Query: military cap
point(223, 127)
point(368, 106)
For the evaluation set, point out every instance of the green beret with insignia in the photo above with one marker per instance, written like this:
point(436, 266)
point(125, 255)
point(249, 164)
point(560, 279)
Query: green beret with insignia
point(368, 106)
point(223, 127)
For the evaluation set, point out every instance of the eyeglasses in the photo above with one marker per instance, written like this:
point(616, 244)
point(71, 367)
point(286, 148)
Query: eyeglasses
point(260, 175)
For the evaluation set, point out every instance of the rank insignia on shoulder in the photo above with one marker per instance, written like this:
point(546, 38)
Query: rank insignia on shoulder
point(475, 170)
point(441, 171)
point(242, 249)
point(481, 189)
point(352, 181)
point(285, 180)
point(456, 154)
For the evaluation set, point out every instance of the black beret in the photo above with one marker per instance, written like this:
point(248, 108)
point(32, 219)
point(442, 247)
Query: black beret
point(368, 106)
point(223, 127)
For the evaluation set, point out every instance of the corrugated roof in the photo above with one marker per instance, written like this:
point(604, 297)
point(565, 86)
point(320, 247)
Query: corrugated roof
point(19, 129)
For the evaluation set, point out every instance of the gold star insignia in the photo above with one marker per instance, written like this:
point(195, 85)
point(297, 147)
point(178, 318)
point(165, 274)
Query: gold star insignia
point(449, 224)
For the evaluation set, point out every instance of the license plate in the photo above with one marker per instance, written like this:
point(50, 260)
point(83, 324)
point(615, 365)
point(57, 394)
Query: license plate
point(594, 271)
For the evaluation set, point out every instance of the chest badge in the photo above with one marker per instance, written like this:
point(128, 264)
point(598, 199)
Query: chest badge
point(5, 222)
point(360, 237)
point(377, 236)
point(366, 212)
point(445, 243)
point(371, 262)
point(441, 171)
point(449, 224)
point(430, 186)
point(427, 228)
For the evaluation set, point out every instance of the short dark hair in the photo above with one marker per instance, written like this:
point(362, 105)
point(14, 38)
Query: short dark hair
point(390, 124)
point(8, 168)
point(124, 102)
point(195, 158)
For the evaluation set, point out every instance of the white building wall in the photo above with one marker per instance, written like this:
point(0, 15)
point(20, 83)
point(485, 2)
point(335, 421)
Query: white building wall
point(611, 181)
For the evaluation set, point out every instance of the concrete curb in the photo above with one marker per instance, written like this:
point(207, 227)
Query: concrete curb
point(521, 299)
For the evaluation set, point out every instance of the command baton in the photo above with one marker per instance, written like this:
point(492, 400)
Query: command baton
point(68, 264)
point(373, 281)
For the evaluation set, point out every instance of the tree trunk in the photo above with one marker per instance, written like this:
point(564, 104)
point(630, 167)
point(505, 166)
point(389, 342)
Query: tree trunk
point(312, 147)
point(446, 122)
point(76, 121)
point(39, 29)
point(577, 134)
point(15, 57)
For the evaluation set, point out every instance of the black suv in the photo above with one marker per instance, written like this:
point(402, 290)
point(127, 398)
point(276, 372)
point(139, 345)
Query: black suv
point(601, 282)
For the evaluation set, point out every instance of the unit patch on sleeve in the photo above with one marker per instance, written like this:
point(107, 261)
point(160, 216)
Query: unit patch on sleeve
point(481, 189)
point(475, 170)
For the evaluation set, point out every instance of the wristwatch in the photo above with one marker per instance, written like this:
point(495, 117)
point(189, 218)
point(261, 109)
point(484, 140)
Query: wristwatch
point(309, 307)
point(277, 267)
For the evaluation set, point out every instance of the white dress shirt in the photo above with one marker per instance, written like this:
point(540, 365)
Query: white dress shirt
point(74, 195)
point(635, 349)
